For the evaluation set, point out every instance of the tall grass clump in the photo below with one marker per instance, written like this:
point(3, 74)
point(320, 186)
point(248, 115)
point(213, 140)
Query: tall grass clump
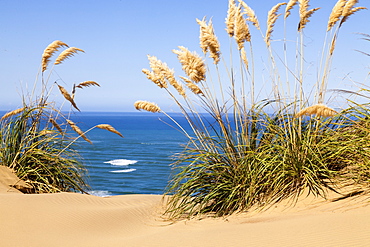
point(247, 150)
point(37, 141)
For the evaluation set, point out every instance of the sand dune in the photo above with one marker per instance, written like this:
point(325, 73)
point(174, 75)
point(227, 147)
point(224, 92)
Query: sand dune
point(70, 219)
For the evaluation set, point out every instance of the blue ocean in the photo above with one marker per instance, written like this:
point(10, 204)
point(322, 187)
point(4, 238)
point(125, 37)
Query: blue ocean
point(139, 163)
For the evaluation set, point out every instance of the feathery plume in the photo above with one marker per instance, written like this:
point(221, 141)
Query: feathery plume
point(194, 88)
point(230, 18)
point(250, 13)
point(12, 113)
point(67, 96)
point(272, 17)
point(304, 14)
point(349, 10)
point(49, 52)
point(289, 7)
point(163, 75)
point(208, 40)
point(319, 110)
point(336, 13)
point(69, 52)
point(109, 128)
point(241, 29)
point(151, 76)
point(192, 64)
point(78, 130)
point(56, 125)
point(147, 106)
point(87, 84)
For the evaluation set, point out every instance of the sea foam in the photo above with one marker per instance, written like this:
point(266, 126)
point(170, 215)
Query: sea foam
point(125, 170)
point(121, 162)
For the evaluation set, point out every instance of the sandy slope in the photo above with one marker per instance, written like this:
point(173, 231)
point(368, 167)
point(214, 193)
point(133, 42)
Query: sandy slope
point(69, 219)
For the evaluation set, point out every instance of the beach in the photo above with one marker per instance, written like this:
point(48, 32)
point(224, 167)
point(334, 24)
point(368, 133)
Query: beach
point(72, 219)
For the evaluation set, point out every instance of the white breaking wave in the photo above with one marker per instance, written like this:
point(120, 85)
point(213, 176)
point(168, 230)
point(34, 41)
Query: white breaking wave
point(121, 162)
point(125, 170)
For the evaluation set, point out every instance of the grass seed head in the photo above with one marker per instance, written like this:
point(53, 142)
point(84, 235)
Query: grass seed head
point(272, 17)
point(109, 128)
point(241, 29)
point(69, 52)
point(289, 7)
point(12, 113)
point(250, 13)
point(87, 84)
point(192, 64)
point(78, 130)
point(208, 40)
point(147, 106)
point(67, 96)
point(230, 18)
point(319, 110)
point(49, 51)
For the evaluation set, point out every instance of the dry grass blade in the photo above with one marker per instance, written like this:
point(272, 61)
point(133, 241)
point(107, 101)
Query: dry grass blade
point(49, 51)
point(147, 106)
point(241, 29)
point(336, 13)
point(208, 40)
point(319, 110)
point(109, 128)
point(67, 53)
point(251, 15)
point(272, 17)
point(194, 88)
point(12, 113)
point(230, 18)
point(67, 96)
point(87, 84)
point(192, 64)
point(289, 7)
point(78, 130)
point(56, 125)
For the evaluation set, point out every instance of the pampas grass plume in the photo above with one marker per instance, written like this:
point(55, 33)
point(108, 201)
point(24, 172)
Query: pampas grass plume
point(49, 51)
point(250, 13)
point(67, 96)
point(147, 106)
point(230, 18)
point(12, 113)
point(87, 84)
point(319, 110)
point(69, 52)
point(109, 128)
point(208, 40)
point(194, 88)
point(289, 7)
point(192, 64)
point(241, 29)
point(336, 13)
point(78, 130)
point(272, 17)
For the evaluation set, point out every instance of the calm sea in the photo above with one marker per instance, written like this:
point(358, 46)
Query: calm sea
point(140, 162)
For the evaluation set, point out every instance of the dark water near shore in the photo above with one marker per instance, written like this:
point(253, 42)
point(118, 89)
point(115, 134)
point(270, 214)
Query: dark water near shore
point(139, 162)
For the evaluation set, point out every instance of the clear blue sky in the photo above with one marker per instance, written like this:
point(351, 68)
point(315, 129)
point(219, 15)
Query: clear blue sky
point(117, 35)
